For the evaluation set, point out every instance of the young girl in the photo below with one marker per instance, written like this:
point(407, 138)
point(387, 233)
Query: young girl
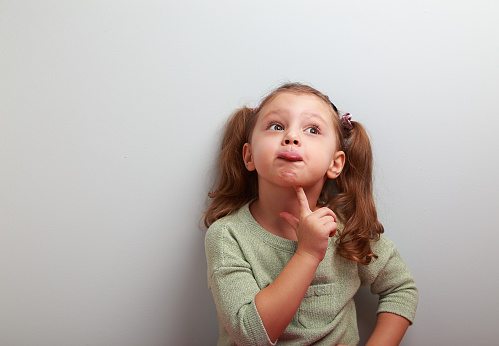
point(293, 230)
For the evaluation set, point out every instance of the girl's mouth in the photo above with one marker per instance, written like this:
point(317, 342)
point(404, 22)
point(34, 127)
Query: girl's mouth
point(290, 156)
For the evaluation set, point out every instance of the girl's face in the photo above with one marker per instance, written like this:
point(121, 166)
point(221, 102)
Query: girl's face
point(294, 143)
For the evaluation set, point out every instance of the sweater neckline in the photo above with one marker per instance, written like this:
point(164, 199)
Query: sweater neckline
point(269, 238)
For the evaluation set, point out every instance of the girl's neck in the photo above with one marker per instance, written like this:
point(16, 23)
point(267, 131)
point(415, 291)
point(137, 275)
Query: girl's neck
point(271, 202)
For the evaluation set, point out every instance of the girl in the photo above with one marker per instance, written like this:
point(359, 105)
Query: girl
point(293, 230)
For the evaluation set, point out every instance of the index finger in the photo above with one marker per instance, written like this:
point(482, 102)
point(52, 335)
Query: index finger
point(302, 200)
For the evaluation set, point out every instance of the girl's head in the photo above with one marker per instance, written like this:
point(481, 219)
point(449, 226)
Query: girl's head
point(294, 141)
point(348, 192)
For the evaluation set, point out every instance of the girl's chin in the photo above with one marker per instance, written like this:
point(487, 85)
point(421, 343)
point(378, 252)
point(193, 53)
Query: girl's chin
point(290, 178)
point(295, 181)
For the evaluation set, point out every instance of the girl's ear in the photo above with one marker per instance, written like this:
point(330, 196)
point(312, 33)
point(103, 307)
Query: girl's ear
point(336, 165)
point(248, 157)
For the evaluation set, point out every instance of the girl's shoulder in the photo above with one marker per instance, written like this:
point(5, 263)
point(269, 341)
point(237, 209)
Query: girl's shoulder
point(388, 260)
point(383, 245)
point(232, 221)
point(233, 228)
point(222, 241)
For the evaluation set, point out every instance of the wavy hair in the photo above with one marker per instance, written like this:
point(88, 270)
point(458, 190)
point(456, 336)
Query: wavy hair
point(350, 195)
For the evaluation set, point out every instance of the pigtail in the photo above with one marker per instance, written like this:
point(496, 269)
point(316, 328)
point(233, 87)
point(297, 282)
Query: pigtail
point(354, 203)
point(236, 186)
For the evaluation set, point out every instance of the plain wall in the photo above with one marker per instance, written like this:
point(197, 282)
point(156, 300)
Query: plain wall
point(110, 117)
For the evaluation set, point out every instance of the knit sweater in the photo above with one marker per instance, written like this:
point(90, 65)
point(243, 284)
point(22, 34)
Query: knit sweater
point(244, 258)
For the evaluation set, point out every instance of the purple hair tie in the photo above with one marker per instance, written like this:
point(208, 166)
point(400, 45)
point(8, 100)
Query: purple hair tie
point(345, 121)
point(255, 109)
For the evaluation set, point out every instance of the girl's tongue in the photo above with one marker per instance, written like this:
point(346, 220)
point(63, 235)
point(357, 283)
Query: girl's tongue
point(290, 156)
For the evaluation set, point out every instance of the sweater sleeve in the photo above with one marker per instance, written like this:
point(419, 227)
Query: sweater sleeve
point(390, 278)
point(234, 287)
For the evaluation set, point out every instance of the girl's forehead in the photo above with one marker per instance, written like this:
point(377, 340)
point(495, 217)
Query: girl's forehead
point(289, 95)
point(309, 104)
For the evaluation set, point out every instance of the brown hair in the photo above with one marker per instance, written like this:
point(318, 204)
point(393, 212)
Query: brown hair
point(350, 195)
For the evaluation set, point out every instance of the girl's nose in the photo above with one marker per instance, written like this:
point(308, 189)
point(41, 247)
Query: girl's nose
point(291, 139)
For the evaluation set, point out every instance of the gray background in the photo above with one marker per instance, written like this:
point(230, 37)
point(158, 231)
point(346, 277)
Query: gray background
point(110, 116)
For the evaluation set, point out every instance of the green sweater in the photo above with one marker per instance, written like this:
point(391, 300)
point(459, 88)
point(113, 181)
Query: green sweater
point(244, 258)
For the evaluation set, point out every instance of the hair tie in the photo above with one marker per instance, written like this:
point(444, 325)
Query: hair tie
point(255, 109)
point(345, 121)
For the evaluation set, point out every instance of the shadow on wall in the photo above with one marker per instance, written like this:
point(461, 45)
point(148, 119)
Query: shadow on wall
point(366, 305)
point(195, 316)
point(195, 312)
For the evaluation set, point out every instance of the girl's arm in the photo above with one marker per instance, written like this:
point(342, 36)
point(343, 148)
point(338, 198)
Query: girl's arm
point(389, 330)
point(390, 278)
point(278, 302)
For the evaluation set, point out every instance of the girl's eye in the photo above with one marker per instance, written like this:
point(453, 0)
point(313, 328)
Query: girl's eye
point(313, 130)
point(276, 127)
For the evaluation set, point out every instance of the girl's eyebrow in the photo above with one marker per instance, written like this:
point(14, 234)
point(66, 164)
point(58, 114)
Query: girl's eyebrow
point(314, 115)
point(278, 111)
point(279, 114)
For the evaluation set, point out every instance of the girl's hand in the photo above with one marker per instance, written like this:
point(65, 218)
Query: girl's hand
point(313, 228)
